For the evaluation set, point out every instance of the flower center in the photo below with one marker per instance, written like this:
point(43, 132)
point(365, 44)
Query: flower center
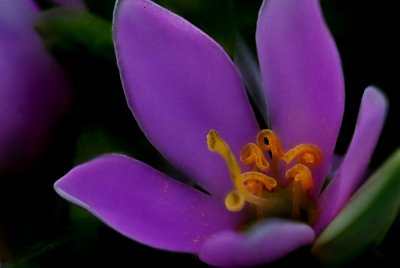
point(279, 181)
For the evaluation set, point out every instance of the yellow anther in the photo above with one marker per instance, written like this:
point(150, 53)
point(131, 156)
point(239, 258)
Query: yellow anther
point(251, 154)
point(273, 144)
point(254, 187)
point(234, 201)
point(249, 178)
point(301, 173)
point(306, 154)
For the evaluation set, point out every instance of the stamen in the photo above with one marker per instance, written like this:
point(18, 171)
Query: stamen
point(249, 178)
point(301, 176)
point(296, 200)
point(251, 154)
point(301, 173)
point(274, 145)
point(306, 154)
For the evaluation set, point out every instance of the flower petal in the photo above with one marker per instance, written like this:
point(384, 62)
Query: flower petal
point(144, 204)
point(302, 76)
point(350, 173)
point(33, 89)
point(16, 16)
point(180, 84)
point(264, 243)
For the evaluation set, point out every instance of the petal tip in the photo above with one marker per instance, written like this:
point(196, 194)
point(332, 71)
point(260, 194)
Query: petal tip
point(60, 189)
point(374, 92)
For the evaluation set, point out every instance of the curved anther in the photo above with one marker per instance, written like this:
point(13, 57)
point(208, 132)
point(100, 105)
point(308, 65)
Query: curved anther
point(301, 173)
point(306, 154)
point(251, 154)
point(251, 177)
point(272, 145)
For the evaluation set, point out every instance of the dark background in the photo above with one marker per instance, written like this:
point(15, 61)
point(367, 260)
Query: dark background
point(38, 229)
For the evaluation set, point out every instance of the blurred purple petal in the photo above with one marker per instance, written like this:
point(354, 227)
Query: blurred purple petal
point(349, 175)
point(335, 164)
point(33, 90)
point(179, 84)
point(264, 243)
point(144, 204)
point(16, 17)
point(302, 76)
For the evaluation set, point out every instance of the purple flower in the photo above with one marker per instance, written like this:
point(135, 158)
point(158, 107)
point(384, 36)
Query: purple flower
point(189, 100)
point(33, 89)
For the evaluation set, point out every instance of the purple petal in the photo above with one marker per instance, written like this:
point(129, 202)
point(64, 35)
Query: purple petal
point(263, 244)
point(302, 76)
point(16, 16)
point(144, 204)
point(355, 163)
point(335, 164)
point(33, 90)
point(180, 84)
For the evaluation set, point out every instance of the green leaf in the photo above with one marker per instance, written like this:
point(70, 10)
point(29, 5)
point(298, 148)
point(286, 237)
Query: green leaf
point(72, 31)
point(365, 220)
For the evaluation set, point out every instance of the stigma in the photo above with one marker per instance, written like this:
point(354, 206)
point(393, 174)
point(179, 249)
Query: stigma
point(275, 179)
